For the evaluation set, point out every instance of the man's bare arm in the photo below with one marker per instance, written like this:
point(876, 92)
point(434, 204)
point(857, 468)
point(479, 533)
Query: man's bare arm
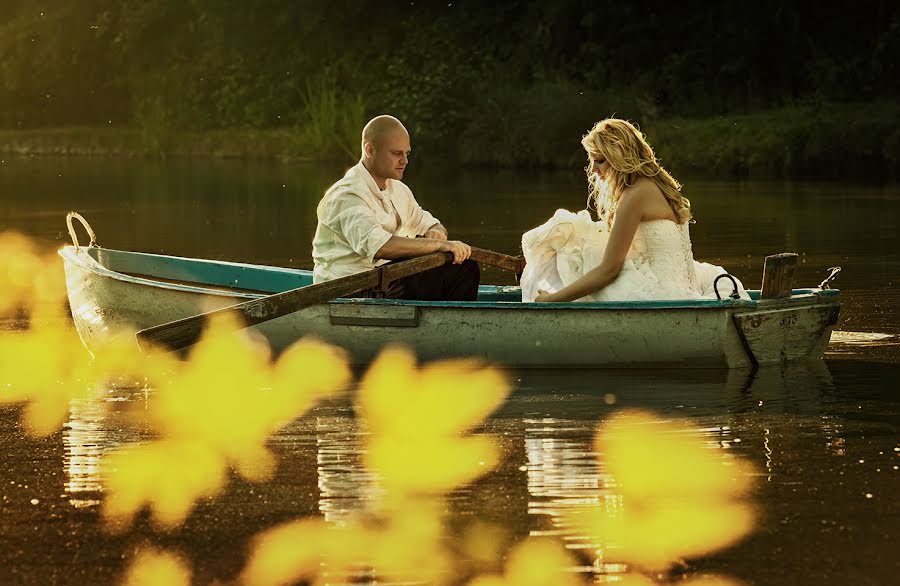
point(437, 232)
point(402, 247)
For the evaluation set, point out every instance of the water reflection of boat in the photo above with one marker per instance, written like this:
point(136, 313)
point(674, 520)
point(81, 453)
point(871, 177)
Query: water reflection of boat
point(751, 413)
point(114, 291)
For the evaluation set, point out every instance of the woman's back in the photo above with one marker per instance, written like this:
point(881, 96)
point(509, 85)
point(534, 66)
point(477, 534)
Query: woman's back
point(662, 248)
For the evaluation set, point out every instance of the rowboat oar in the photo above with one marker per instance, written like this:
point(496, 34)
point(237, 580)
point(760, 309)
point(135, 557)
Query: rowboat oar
point(184, 332)
point(513, 264)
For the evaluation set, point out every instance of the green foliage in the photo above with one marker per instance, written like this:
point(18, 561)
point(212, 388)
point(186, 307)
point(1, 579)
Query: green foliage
point(507, 82)
point(830, 140)
point(540, 124)
point(332, 121)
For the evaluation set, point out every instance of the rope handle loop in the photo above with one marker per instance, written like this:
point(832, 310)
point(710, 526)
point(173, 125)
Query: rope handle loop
point(734, 292)
point(87, 228)
point(832, 273)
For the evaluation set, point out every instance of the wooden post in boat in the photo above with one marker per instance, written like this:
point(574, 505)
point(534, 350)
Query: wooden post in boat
point(778, 275)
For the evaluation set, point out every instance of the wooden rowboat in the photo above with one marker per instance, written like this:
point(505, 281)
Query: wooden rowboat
point(116, 292)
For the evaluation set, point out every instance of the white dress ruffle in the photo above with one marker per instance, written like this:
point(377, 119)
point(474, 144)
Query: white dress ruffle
point(659, 265)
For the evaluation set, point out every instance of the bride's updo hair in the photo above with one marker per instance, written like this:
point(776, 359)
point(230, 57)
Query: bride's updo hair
point(630, 157)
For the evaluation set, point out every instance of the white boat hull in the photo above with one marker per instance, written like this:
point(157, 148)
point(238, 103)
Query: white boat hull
point(106, 303)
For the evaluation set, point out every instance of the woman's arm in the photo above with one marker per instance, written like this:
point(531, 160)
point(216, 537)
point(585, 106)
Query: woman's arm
point(629, 214)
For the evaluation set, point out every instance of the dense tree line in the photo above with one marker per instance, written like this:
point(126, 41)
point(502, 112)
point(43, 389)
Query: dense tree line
point(451, 69)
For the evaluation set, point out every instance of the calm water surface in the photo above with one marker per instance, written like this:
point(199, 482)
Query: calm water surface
point(824, 436)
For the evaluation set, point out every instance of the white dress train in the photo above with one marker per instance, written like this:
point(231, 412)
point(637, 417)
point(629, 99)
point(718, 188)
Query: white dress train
point(659, 265)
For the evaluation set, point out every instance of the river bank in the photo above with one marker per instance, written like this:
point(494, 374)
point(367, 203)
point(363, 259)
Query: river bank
point(832, 140)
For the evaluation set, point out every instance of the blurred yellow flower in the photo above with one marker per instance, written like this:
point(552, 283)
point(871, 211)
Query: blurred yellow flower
point(534, 562)
point(30, 279)
point(168, 476)
point(18, 262)
point(483, 543)
point(402, 546)
point(443, 398)
point(308, 371)
point(47, 367)
point(288, 554)
point(152, 567)
point(417, 418)
point(215, 410)
point(679, 498)
point(651, 457)
point(407, 544)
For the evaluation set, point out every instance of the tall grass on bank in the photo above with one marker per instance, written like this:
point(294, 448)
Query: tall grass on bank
point(331, 122)
point(541, 127)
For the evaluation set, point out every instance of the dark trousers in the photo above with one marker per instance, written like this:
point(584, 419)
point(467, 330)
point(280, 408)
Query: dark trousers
point(447, 282)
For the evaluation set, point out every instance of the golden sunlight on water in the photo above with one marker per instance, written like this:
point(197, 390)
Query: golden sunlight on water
point(346, 486)
point(84, 437)
point(562, 474)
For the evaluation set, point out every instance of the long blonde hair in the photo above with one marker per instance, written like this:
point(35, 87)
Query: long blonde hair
point(630, 157)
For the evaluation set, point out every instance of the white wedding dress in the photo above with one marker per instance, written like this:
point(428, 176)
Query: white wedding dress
point(660, 263)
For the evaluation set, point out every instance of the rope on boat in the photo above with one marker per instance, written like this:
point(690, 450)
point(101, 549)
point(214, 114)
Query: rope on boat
point(734, 292)
point(832, 273)
point(87, 227)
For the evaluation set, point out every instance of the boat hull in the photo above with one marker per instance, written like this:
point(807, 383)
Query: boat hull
point(107, 303)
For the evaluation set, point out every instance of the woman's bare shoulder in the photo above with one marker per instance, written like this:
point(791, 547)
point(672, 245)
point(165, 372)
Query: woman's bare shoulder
point(646, 195)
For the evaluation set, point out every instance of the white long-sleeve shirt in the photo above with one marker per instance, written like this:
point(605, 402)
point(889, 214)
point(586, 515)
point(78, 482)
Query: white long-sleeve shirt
point(356, 219)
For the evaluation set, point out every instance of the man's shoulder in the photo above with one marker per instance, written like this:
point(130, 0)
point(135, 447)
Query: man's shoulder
point(346, 189)
point(343, 195)
point(401, 189)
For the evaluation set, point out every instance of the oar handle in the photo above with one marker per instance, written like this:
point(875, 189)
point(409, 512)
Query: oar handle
point(514, 264)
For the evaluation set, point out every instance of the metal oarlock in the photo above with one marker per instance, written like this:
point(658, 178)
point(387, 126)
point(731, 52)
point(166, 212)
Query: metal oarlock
point(734, 292)
point(832, 273)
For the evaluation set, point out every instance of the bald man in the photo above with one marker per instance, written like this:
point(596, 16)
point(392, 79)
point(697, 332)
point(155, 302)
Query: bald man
point(370, 217)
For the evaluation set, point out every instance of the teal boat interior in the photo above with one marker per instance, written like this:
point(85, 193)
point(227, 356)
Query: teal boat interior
point(248, 280)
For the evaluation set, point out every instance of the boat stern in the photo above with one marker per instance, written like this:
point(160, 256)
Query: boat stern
point(791, 329)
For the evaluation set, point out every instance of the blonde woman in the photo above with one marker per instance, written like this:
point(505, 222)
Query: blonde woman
point(640, 249)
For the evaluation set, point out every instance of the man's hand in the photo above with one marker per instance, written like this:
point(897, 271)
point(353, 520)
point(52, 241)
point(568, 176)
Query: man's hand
point(460, 250)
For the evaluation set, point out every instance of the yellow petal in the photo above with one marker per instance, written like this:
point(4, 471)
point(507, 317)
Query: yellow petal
point(430, 465)
point(153, 567)
point(287, 554)
point(649, 457)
